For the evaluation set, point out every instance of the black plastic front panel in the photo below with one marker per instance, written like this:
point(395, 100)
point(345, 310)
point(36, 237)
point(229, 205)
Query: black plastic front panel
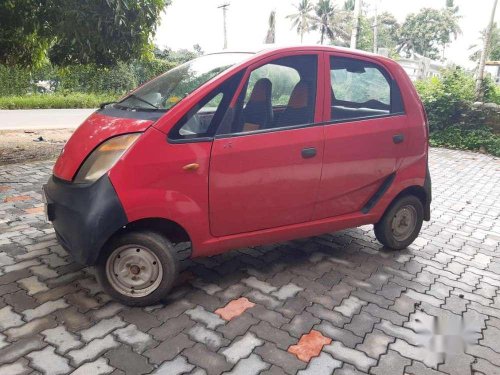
point(84, 216)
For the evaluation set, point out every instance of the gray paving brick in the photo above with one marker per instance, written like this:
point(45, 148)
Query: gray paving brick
point(324, 364)
point(301, 324)
point(252, 365)
point(125, 359)
point(201, 315)
point(212, 362)
point(375, 343)
point(280, 358)
point(241, 348)
point(177, 366)
point(279, 337)
point(49, 362)
point(168, 349)
point(356, 358)
point(61, 339)
point(92, 350)
point(346, 337)
point(391, 363)
point(98, 367)
point(206, 336)
point(19, 367)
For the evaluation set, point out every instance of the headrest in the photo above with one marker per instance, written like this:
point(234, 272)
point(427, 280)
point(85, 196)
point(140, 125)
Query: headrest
point(261, 90)
point(300, 95)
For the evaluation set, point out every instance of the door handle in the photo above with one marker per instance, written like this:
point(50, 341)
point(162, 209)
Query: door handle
point(398, 138)
point(191, 167)
point(308, 152)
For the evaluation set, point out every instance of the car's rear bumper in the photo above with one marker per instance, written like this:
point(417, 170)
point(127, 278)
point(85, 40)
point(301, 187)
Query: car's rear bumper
point(84, 216)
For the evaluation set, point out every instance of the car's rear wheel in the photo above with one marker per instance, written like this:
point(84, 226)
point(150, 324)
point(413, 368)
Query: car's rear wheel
point(401, 223)
point(138, 268)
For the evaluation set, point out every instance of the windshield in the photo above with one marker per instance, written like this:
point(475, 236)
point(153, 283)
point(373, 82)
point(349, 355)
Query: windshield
point(168, 89)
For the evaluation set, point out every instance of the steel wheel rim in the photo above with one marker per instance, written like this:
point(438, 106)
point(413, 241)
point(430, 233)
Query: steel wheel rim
point(134, 271)
point(404, 222)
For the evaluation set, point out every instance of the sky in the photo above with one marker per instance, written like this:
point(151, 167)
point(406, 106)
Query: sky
point(189, 22)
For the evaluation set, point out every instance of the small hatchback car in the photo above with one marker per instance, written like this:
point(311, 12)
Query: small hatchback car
point(238, 149)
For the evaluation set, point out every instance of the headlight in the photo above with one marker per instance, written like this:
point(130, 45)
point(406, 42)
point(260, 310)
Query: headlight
point(104, 157)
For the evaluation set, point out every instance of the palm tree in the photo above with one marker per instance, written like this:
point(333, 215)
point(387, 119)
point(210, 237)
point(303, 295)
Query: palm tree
point(330, 21)
point(271, 31)
point(303, 19)
point(324, 13)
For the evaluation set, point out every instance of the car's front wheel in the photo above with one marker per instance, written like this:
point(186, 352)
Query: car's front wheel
point(401, 223)
point(138, 268)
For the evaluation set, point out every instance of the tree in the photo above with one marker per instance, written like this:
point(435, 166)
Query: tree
point(387, 32)
point(24, 37)
point(271, 31)
point(494, 47)
point(324, 15)
point(484, 52)
point(77, 32)
point(425, 32)
point(303, 20)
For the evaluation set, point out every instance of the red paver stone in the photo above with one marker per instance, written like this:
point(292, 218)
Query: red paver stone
point(4, 188)
point(17, 198)
point(309, 345)
point(34, 210)
point(234, 308)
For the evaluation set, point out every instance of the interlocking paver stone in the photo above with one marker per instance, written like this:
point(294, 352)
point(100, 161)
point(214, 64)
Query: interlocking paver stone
point(241, 348)
point(205, 336)
point(61, 339)
point(98, 367)
point(102, 328)
point(201, 315)
point(9, 318)
point(19, 367)
point(92, 350)
point(49, 362)
point(357, 358)
point(177, 366)
point(257, 302)
point(132, 336)
point(252, 365)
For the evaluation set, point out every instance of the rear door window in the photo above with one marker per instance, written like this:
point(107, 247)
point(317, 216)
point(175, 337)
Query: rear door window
point(361, 89)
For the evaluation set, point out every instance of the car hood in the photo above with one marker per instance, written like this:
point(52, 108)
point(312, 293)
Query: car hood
point(97, 128)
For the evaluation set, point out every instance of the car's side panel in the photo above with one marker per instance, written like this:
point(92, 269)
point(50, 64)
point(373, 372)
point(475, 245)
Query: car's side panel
point(152, 183)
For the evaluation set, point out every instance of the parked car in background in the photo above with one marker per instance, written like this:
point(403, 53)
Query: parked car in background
point(239, 149)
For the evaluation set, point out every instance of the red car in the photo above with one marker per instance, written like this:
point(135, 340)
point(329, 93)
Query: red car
point(239, 149)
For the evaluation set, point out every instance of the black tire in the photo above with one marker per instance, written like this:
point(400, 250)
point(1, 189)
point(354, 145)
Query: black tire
point(150, 243)
point(384, 228)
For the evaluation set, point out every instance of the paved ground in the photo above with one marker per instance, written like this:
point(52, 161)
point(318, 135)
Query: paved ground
point(23, 119)
point(331, 304)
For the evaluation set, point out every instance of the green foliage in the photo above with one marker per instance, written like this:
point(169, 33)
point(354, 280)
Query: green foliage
point(453, 119)
point(101, 32)
point(446, 99)
point(428, 30)
point(494, 48)
point(302, 20)
point(82, 78)
point(76, 100)
point(24, 36)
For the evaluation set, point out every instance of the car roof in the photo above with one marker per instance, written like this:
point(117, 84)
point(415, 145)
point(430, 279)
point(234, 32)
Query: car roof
point(263, 48)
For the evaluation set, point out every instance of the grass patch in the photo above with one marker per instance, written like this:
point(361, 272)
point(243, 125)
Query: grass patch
point(42, 101)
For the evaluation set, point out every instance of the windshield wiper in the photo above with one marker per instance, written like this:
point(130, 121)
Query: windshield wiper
point(142, 100)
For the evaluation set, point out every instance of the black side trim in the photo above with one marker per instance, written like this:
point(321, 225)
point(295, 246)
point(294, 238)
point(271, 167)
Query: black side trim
point(428, 195)
point(379, 193)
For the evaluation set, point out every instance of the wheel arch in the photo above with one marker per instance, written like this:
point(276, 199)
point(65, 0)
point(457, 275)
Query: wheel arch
point(419, 192)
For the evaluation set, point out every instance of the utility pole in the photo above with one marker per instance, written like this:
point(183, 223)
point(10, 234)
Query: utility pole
point(375, 30)
point(484, 53)
point(224, 10)
point(355, 26)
